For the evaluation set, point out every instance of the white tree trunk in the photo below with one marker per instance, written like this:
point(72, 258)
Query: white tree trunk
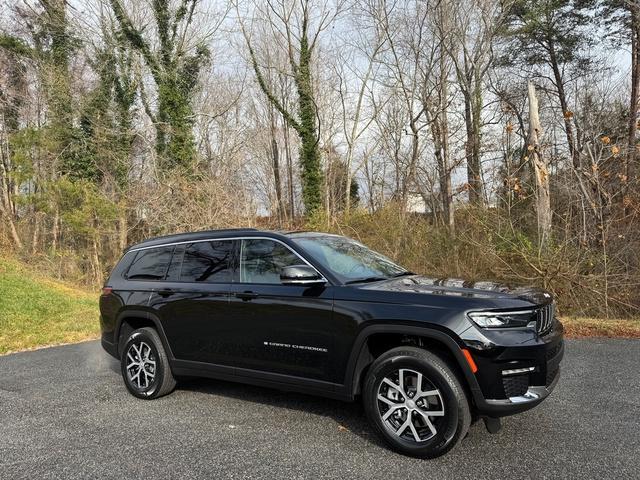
point(541, 169)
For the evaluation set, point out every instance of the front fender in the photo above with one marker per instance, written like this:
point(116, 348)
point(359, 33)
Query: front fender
point(360, 357)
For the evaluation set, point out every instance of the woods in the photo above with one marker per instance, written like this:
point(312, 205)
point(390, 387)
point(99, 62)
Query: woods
point(465, 138)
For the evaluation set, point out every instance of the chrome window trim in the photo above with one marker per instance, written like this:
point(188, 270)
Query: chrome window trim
point(221, 239)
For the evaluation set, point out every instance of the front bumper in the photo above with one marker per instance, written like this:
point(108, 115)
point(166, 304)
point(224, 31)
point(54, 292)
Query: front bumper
point(516, 369)
point(533, 395)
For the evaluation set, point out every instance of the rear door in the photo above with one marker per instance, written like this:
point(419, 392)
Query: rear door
point(283, 329)
point(193, 301)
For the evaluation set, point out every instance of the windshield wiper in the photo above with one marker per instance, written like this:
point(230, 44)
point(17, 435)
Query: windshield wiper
point(365, 280)
point(402, 274)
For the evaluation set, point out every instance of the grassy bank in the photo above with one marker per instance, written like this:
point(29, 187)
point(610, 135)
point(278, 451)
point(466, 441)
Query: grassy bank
point(576, 327)
point(37, 311)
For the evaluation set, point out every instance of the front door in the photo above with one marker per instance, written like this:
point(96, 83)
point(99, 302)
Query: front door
point(283, 329)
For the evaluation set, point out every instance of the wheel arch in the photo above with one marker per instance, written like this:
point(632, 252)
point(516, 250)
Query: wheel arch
point(376, 339)
point(130, 320)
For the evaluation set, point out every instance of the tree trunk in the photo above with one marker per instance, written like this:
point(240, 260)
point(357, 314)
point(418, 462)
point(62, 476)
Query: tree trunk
point(307, 131)
point(122, 231)
point(541, 170)
point(447, 191)
point(95, 260)
point(287, 149)
point(472, 156)
point(55, 229)
point(12, 228)
point(410, 178)
point(438, 119)
point(630, 159)
point(275, 156)
point(476, 112)
point(36, 233)
point(444, 177)
point(564, 105)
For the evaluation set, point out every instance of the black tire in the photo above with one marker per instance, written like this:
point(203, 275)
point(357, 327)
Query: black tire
point(450, 402)
point(162, 381)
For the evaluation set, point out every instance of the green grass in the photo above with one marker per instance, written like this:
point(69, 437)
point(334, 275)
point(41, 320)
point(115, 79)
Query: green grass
point(37, 311)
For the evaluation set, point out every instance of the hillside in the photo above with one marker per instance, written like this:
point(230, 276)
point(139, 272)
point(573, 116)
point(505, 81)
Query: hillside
point(37, 311)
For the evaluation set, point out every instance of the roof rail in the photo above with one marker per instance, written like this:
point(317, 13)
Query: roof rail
point(158, 240)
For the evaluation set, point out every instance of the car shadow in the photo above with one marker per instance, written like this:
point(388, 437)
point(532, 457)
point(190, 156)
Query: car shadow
point(349, 416)
point(114, 365)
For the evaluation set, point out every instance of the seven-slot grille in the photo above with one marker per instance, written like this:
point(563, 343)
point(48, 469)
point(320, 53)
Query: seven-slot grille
point(545, 318)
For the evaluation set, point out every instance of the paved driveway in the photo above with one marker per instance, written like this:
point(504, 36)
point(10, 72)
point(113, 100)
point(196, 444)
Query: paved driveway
point(64, 413)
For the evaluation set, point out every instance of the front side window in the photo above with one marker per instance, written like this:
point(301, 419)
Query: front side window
point(347, 259)
point(150, 264)
point(208, 262)
point(261, 261)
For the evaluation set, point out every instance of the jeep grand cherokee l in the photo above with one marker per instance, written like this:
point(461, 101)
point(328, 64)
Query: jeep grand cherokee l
point(323, 314)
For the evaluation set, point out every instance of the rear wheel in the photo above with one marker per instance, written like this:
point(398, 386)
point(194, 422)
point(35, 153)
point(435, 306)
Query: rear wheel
point(416, 403)
point(145, 366)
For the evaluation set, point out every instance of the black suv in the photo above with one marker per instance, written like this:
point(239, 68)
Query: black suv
point(323, 314)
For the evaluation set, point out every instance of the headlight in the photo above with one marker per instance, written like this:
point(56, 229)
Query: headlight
point(520, 319)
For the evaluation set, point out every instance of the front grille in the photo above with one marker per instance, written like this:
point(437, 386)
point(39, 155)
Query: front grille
point(545, 318)
point(516, 385)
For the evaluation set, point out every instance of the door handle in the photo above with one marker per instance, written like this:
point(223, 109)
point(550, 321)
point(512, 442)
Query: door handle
point(246, 295)
point(165, 292)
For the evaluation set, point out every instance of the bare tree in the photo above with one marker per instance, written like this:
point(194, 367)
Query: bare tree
point(296, 27)
point(472, 30)
point(541, 169)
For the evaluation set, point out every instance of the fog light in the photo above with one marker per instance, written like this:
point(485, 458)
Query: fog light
point(517, 371)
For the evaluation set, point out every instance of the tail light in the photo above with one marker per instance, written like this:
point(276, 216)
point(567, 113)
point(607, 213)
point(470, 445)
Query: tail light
point(106, 291)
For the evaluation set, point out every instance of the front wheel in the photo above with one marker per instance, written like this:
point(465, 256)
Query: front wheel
point(145, 366)
point(416, 403)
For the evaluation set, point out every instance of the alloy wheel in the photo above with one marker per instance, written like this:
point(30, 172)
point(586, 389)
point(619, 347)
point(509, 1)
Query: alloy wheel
point(141, 365)
point(409, 405)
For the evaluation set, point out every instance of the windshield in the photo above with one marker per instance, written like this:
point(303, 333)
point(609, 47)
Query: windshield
point(347, 259)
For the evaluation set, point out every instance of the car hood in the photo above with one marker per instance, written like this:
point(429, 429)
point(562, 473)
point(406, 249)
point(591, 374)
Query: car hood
point(461, 288)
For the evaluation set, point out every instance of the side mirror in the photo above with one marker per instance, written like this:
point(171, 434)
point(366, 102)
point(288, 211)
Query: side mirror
point(300, 275)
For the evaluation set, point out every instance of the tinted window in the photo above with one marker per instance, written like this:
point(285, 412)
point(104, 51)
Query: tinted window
point(208, 262)
point(173, 274)
point(150, 264)
point(261, 261)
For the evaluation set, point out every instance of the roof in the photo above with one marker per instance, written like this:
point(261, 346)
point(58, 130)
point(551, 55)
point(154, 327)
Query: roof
point(212, 234)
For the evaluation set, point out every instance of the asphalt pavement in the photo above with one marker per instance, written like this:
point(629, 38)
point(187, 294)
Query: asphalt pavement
point(65, 413)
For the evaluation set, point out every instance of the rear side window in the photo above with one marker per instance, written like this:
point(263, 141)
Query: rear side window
point(208, 262)
point(150, 264)
point(173, 274)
